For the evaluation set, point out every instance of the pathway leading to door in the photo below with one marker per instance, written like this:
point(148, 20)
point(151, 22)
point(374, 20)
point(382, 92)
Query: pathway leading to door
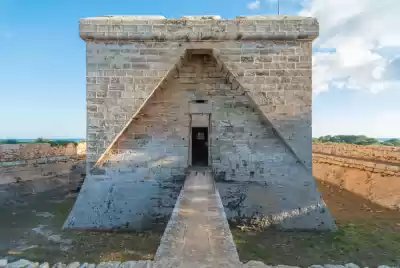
point(198, 233)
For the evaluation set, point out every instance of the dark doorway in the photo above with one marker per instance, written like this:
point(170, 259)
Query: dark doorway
point(200, 146)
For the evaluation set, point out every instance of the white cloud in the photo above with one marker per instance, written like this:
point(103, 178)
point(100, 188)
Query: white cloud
point(358, 30)
point(254, 5)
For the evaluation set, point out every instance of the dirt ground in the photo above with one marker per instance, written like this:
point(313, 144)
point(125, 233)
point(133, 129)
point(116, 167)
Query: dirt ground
point(368, 235)
point(30, 228)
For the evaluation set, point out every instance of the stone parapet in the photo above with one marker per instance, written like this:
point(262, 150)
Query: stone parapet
point(39, 153)
point(370, 152)
point(150, 264)
point(198, 28)
point(372, 172)
point(371, 166)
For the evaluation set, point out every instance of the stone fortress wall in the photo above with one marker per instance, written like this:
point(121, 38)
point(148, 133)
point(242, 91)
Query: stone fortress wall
point(32, 161)
point(128, 57)
point(372, 172)
point(370, 152)
point(34, 151)
point(260, 90)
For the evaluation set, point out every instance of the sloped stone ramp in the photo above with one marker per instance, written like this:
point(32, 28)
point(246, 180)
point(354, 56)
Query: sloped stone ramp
point(198, 233)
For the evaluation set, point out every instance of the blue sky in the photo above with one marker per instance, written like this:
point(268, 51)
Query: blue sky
point(42, 76)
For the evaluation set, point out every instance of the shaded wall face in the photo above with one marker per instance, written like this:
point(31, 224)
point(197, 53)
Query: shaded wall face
point(157, 141)
point(276, 74)
point(119, 79)
point(256, 173)
point(278, 78)
point(245, 148)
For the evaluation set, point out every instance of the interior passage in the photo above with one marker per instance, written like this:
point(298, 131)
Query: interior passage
point(200, 146)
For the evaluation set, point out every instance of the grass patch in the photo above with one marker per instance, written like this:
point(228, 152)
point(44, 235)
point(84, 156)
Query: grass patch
point(96, 247)
point(41, 254)
point(357, 243)
point(69, 246)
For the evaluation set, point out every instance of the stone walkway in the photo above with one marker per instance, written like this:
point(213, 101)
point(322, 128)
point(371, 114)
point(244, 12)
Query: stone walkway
point(198, 233)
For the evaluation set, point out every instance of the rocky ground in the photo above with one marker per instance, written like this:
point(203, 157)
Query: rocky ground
point(31, 221)
point(150, 264)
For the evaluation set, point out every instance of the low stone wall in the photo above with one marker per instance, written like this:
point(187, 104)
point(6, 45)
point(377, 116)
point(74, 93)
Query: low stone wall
point(26, 162)
point(372, 172)
point(369, 152)
point(37, 151)
point(386, 169)
point(150, 264)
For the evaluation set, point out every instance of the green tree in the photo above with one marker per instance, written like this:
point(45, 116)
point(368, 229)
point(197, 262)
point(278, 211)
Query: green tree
point(392, 142)
point(354, 139)
point(42, 140)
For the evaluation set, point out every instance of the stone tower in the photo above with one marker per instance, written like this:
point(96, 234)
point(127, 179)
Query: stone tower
point(233, 95)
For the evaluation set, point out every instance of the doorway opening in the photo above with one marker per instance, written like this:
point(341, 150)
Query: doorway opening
point(200, 146)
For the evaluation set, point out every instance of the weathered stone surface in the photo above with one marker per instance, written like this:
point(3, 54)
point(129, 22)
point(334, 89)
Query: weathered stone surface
point(22, 263)
point(351, 265)
point(41, 152)
point(362, 152)
point(31, 162)
point(239, 140)
point(197, 28)
point(258, 82)
point(113, 62)
point(75, 265)
point(385, 168)
point(255, 264)
point(44, 265)
point(128, 264)
point(109, 264)
point(198, 231)
point(143, 264)
point(59, 265)
point(35, 172)
point(351, 168)
point(3, 263)
point(177, 262)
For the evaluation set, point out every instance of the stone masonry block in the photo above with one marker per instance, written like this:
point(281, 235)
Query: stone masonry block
point(141, 75)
